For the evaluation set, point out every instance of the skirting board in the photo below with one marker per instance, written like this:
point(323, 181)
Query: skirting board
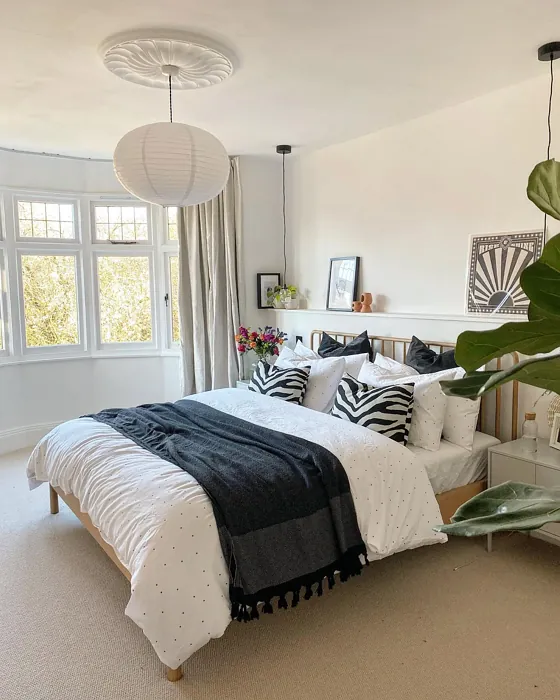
point(28, 436)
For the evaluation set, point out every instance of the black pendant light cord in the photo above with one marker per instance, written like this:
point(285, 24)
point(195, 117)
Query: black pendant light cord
point(549, 124)
point(550, 110)
point(284, 212)
point(170, 102)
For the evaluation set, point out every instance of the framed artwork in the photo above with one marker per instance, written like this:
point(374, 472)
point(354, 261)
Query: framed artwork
point(343, 283)
point(495, 267)
point(555, 432)
point(266, 281)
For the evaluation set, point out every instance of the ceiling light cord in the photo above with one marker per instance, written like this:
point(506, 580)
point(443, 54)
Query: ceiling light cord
point(549, 124)
point(284, 213)
point(170, 102)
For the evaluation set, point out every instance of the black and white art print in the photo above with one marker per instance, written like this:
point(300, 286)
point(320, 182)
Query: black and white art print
point(496, 264)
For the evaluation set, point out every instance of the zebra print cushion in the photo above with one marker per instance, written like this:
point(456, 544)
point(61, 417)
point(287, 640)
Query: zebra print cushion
point(387, 410)
point(286, 384)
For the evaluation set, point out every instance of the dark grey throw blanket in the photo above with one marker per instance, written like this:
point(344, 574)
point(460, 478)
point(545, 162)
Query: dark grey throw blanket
point(283, 505)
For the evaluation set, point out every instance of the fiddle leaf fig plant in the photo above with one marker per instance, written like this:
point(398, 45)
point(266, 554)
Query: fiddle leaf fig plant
point(517, 506)
point(541, 334)
point(508, 506)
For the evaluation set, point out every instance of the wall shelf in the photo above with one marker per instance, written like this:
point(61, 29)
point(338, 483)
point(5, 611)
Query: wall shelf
point(491, 319)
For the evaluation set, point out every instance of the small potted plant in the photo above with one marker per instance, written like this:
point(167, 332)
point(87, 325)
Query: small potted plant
point(265, 342)
point(285, 297)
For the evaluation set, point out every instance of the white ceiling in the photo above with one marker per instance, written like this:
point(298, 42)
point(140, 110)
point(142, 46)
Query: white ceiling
point(310, 72)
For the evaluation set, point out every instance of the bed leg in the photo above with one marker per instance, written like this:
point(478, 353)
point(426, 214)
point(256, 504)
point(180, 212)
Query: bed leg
point(174, 674)
point(54, 500)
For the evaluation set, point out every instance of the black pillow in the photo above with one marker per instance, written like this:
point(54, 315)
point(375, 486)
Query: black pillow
point(425, 360)
point(330, 347)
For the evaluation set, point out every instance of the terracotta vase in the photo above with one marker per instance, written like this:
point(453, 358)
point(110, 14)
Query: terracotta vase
point(356, 306)
point(366, 302)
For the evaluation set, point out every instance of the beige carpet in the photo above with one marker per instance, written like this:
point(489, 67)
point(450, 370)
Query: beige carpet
point(441, 622)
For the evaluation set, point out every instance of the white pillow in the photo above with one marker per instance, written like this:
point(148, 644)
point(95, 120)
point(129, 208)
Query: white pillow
point(353, 362)
point(394, 366)
point(430, 403)
point(461, 418)
point(324, 378)
point(304, 352)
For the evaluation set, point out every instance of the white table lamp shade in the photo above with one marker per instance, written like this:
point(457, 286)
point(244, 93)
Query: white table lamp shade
point(171, 164)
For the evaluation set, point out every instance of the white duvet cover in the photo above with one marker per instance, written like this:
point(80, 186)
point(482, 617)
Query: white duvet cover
point(161, 525)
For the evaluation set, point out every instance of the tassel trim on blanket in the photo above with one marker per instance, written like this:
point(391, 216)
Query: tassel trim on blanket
point(244, 607)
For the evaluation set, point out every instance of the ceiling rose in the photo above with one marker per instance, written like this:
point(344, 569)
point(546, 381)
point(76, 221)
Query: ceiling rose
point(140, 56)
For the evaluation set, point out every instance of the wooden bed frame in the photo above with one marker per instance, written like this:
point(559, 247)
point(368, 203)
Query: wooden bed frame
point(448, 501)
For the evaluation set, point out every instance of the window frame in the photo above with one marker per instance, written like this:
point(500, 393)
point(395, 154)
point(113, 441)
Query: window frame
point(85, 248)
point(47, 199)
point(73, 350)
point(4, 300)
point(115, 250)
point(111, 202)
point(170, 343)
point(167, 239)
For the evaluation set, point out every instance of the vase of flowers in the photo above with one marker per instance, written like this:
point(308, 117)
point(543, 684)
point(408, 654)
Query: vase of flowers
point(265, 342)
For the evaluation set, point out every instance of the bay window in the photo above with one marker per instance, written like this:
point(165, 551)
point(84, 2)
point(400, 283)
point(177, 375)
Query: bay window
point(86, 276)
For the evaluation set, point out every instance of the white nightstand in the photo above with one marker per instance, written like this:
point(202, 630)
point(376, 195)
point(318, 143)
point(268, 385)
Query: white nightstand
point(511, 462)
point(242, 384)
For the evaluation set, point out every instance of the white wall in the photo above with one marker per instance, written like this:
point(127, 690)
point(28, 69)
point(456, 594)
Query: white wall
point(261, 180)
point(36, 395)
point(406, 200)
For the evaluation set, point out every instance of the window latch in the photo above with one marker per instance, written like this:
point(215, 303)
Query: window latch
point(166, 299)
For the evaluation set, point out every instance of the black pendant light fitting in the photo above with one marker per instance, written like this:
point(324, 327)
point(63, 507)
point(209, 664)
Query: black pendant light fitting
point(284, 150)
point(549, 52)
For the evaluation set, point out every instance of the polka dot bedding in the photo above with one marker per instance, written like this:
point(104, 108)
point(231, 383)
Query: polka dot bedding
point(161, 525)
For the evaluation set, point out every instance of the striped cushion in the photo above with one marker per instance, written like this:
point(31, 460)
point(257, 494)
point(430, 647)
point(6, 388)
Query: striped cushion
point(286, 384)
point(387, 410)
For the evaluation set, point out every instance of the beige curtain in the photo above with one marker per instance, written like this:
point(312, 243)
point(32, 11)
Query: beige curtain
point(209, 245)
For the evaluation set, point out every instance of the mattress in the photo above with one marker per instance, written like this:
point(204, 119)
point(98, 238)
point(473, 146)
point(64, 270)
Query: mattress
point(453, 466)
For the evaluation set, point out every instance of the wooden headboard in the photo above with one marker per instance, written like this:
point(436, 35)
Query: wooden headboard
point(491, 418)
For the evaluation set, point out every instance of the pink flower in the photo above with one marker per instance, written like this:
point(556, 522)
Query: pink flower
point(275, 351)
point(241, 348)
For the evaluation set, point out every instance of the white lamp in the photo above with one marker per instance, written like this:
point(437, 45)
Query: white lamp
point(169, 163)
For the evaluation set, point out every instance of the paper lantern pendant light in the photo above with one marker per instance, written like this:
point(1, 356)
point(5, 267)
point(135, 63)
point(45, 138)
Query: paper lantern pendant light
point(169, 163)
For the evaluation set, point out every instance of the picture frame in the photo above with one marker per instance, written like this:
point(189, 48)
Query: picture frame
point(496, 262)
point(342, 288)
point(555, 432)
point(265, 282)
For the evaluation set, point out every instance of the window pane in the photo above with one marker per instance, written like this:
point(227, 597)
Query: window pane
point(38, 210)
point(50, 303)
point(116, 223)
point(124, 299)
point(46, 220)
point(174, 279)
point(172, 234)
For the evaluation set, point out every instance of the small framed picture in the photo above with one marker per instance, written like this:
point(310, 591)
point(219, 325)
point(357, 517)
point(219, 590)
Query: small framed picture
point(343, 283)
point(555, 432)
point(266, 281)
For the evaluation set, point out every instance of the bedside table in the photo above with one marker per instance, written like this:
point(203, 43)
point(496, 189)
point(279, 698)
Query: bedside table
point(511, 462)
point(242, 384)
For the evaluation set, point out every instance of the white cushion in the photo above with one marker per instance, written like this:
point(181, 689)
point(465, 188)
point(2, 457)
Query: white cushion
point(394, 366)
point(324, 378)
point(461, 418)
point(430, 403)
point(353, 362)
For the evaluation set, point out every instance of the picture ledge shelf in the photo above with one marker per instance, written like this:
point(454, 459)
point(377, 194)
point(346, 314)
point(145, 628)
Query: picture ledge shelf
point(490, 319)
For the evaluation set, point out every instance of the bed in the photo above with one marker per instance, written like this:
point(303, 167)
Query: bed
point(157, 524)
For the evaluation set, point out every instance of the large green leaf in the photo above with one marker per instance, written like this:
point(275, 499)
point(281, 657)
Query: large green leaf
point(509, 506)
point(541, 280)
point(543, 372)
point(543, 188)
point(476, 348)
